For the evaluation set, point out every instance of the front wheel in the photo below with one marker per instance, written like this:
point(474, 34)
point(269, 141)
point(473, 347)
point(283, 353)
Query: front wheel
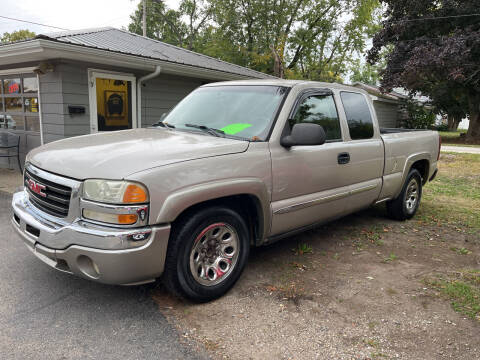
point(406, 204)
point(207, 253)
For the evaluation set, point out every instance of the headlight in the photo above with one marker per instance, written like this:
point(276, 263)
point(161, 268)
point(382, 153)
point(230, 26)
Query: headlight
point(114, 192)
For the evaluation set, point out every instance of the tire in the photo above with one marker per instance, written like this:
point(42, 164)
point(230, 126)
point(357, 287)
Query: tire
point(405, 206)
point(207, 252)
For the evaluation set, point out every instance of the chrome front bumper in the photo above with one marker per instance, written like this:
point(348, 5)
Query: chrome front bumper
point(103, 254)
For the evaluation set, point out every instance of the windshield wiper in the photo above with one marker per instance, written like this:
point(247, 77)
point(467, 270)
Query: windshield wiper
point(164, 124)
point(211, 131)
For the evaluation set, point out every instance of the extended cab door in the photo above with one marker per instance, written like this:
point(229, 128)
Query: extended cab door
point(365, 148)
point(310, 183)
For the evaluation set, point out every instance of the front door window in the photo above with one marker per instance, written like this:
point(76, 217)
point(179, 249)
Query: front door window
point(114, 104)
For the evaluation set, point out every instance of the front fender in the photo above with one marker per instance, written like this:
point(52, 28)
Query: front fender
point(180, 200)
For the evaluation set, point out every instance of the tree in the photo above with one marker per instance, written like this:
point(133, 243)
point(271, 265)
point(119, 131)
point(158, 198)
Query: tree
point(168, 25)
point(365, 73)
point(311, 39)
point(298, 38)
point(436, 44)
point(17, 36)
point(447, 100)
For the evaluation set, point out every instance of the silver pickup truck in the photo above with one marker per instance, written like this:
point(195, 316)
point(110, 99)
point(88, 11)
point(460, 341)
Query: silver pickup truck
point(233, 165)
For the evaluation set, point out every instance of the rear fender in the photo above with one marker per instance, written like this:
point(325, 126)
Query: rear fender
point(408, 165)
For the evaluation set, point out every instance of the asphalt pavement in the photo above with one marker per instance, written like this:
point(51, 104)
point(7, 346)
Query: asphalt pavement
point(45, 314)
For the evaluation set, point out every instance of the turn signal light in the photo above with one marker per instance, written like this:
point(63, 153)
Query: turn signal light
point(135, 194)
point(122, 219)
point(127, 219)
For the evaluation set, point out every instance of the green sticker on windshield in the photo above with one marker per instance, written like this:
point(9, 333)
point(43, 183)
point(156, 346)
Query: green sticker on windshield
point(233, 129)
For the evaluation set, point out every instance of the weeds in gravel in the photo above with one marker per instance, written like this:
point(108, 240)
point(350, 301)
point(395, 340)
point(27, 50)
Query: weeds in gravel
point(391, 258)
point(461, 251)
point(378, 356)
point(371, 342)
point(291, 291)
point(462, 289)
point(303, 249)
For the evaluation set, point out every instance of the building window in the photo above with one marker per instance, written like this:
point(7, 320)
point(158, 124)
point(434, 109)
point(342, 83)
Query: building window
point(19, 103)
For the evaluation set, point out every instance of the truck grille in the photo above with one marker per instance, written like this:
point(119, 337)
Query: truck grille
point(52, 198)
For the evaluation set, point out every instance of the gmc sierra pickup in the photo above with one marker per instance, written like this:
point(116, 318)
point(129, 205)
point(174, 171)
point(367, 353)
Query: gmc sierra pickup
point(233, 165)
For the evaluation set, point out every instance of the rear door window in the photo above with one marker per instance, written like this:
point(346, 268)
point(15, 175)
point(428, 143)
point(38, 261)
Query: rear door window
point(359, 118)
point(321, 110)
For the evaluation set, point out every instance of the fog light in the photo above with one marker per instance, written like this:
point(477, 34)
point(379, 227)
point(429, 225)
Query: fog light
point(88, 267)
point(120, 219)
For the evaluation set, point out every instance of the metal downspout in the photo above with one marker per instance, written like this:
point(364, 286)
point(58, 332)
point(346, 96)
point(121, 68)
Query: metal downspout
point(40, 110)
point(140, 81)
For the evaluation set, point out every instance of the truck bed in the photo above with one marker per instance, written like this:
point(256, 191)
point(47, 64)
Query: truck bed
point(399, 130)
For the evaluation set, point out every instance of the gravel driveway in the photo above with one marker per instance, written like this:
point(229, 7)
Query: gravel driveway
point(45, 314)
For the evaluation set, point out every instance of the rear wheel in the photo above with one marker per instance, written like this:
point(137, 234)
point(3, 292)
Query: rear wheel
point(406, 204)
point(207, 253)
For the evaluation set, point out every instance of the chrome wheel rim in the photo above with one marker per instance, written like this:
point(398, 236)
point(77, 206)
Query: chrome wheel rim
point(411, 198)
point(214, 254)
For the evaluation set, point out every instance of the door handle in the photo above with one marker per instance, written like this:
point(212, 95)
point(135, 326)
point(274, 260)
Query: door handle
point(343, 158)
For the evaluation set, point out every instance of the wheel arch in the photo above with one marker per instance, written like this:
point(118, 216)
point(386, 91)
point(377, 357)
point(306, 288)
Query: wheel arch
point(248, 196)
point(423, 167)
point(419, 161)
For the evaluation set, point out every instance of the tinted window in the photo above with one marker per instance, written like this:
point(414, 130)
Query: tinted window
point(321, 110)
point(359, 119)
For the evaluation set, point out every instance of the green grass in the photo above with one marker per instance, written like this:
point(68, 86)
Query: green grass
point(451, 134)
point(453, 138)
point(463, 291)
point(453, 198)
point(462, 145)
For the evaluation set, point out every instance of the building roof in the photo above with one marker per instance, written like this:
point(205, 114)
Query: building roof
point(124, 42)
point(376, 91)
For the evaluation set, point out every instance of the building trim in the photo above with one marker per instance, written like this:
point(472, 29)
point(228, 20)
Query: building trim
point(14, 71)
point(42, 49)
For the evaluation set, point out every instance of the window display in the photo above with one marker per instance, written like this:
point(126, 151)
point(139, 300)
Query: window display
point(19, 103)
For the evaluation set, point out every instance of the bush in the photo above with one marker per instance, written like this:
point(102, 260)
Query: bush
point(441, 127)
point(419, 117)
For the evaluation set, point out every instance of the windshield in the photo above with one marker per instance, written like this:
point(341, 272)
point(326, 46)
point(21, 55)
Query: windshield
point(237, 111)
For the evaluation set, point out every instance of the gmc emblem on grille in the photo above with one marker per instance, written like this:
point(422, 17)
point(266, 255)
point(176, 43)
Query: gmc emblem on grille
point(37, 188)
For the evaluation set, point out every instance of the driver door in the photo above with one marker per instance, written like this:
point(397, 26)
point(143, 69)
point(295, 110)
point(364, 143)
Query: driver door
point(310, 183)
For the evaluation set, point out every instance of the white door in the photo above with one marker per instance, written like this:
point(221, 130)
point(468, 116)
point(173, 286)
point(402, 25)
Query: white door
point(113, 101)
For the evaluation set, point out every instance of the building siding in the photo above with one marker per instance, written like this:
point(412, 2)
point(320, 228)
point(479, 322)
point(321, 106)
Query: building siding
point(161, 94)
point(387, 114)
point(68, 85)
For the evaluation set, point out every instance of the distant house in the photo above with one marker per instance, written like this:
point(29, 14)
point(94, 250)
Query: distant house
point(388, 106)
point(81, 82)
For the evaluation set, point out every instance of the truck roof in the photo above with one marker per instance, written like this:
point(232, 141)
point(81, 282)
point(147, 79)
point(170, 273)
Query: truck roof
point(287, 83)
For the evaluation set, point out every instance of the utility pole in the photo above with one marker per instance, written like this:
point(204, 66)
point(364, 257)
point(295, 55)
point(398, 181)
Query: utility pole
point(144, 20)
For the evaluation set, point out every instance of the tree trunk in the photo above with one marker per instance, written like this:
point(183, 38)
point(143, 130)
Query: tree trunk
point(456, 121)
point(450, 122)
point(473, 133)
point(277, 63)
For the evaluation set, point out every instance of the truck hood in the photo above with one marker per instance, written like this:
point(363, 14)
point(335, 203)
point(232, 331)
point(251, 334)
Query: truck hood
point(115, 155)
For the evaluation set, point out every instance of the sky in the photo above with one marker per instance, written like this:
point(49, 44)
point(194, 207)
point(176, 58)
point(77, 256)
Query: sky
point(68, 14)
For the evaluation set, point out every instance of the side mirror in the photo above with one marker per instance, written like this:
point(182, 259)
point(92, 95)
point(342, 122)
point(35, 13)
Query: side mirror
point(304, 134)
